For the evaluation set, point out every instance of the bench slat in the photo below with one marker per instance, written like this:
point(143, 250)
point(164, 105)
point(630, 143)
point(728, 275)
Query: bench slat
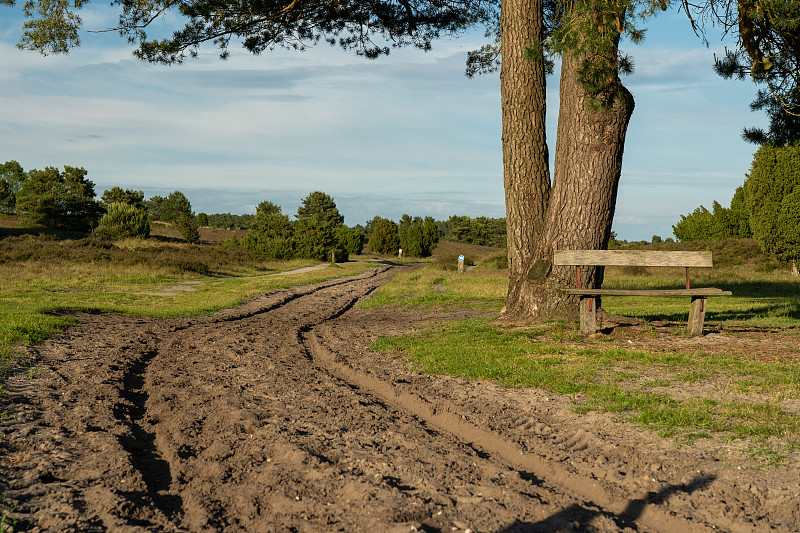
point(648, 292)
point(632, 258)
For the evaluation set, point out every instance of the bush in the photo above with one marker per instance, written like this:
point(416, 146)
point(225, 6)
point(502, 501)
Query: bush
point(773, 200)
point(123, 221)
point(187, 225)
point(270, 232)
point(351, 240)
point(384, 238)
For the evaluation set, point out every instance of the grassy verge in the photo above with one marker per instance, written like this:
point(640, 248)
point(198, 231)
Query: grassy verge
point(683, 393)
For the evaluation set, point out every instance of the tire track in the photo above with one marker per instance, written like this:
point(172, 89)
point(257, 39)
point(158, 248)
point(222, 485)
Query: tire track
point(264, 418)
point(624, 509)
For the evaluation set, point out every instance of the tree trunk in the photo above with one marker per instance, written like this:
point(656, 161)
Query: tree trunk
point(587, 168)
point(525, 157)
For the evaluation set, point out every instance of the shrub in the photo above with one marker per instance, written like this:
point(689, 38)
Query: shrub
point(123, 221)
point(351, 240)
point(187, 225)
point(384, 238)
point(773, 200)
point(270, 232)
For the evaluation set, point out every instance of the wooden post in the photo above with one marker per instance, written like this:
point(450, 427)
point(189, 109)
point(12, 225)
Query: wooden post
point(697, 314)
point(461, 264)
point(588, 316)
point(333, 256)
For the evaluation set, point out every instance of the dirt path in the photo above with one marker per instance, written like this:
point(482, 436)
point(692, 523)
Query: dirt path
point(276, 417)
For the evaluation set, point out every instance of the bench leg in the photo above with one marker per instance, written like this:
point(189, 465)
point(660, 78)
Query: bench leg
point(697, 314)
point(588, 315)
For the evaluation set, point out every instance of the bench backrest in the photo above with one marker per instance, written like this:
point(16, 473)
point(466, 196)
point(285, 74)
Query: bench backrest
point(632, 258)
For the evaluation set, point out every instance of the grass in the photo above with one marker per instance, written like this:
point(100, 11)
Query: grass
point(629, 382)
point(685, 394)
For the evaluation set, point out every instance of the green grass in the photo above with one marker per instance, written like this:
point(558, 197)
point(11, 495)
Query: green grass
point(741, 396)
point(617, 380)
point(433, 287)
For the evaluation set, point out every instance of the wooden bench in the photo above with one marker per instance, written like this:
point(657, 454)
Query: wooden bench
point(588, 307)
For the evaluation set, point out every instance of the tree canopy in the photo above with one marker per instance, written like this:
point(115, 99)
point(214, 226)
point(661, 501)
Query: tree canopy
point(56, 199)
point(767, 51)
point(52, 27)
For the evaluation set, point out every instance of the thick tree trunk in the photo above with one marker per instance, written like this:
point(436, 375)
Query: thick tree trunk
point(525, 159)
point(587, 168)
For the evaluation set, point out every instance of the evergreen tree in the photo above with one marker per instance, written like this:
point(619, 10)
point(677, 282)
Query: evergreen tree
point(123, 220)
point(187, 226)
point(270, 232)
point(316, 227)
point(124, 196)
point(773, 200)
point(12, 176)
point(351, 239)
point(384, 238)
point(54, 199)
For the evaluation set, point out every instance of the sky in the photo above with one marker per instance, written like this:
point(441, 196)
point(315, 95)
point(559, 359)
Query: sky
point(408, 133)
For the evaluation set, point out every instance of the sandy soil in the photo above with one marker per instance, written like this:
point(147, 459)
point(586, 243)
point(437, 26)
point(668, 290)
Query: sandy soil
point(276, 417)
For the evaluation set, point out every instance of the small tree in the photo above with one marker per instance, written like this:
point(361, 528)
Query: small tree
point(123, 196)
point(12, 176)
point(123, 221)
point(202, 219)
point(270, 232)
point(176, 206)
point(351, 240)
point(384, 238)
point(695, 226)
point(316, 228)
point(155, 207)
point(8, 200)
point(187, 226)
point(773, 200)
point(54, 199)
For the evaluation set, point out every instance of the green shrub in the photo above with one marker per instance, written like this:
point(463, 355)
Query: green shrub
point(187, 225)
point(270, 232)
point(773, 199)
point(384, 238)
point(123, 221)
point(351, 240)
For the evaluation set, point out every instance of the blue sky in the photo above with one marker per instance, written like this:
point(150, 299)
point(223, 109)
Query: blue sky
point(404, 134)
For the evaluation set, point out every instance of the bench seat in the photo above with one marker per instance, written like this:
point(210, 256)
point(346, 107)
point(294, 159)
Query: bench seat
point(648, 292)
point(638, 258)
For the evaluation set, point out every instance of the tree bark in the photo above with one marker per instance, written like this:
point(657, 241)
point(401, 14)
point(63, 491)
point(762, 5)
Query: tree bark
point(525, 157)
point(587, 169)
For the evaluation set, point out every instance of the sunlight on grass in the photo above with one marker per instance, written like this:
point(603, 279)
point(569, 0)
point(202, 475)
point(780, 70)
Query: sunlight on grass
point(430, 286)
point(633, 383)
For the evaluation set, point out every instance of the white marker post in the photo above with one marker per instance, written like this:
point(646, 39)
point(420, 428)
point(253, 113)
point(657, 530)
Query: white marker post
point(400, 252)
point(461, 264)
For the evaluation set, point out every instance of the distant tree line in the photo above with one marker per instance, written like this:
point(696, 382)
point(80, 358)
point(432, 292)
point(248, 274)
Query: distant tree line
point(766, 207)
point(66, 200)
point(225, 220)
point(483, 231)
